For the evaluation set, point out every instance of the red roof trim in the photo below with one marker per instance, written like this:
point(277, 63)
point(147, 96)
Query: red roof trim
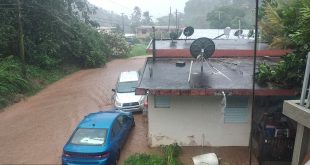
point(212, 92)
point(177, 53)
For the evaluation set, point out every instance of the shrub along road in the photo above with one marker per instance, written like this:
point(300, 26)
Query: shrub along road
point(35, 130)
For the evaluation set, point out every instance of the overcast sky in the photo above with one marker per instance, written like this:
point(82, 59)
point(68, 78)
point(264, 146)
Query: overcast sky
point(157, 8)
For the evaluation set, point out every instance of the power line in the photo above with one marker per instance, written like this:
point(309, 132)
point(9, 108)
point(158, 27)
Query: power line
point(120, 4)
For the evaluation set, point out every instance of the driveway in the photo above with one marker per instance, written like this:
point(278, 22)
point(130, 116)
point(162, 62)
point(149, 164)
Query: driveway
point(35, 130)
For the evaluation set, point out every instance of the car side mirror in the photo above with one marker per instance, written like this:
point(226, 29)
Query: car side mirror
point(113, 90)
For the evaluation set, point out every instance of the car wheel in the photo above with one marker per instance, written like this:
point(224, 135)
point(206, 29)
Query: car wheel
point(115, 162)
point(118, 155)
point(133, 124)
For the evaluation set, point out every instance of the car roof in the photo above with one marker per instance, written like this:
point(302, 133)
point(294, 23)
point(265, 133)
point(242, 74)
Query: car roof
point(129, 76)
point(101, 119)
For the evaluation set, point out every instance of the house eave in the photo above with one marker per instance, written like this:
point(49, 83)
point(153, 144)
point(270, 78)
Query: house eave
point(216, 92)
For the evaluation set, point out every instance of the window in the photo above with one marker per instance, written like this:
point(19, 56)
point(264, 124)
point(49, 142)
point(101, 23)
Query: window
point(125, 87)
point(122, 120)
point(236, 110)
point(162, 101)
point(89, 136)
point(116, 128)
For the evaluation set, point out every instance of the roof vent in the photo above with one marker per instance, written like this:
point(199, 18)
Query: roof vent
point(180, 63)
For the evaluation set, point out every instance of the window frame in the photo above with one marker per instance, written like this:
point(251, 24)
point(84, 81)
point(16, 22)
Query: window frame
point(159, 104)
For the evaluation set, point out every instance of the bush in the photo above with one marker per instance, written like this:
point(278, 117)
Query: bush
point(11, 81)
point(171, 154)
point(117, 43)
point(287, 73)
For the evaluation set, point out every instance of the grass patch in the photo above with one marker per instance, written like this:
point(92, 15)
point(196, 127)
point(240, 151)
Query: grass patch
point(170, 156)
point(138, 50)
point(14, 86)
point(40, 78)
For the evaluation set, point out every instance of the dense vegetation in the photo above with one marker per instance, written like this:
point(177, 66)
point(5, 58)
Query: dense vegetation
point(58, 36)
point(284, 25)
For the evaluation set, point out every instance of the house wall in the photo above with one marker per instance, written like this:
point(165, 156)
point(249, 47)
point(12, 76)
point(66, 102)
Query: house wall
point(195, 121)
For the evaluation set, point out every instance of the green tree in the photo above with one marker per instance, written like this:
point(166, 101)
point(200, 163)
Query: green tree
point(229, 16)
point(146, 20)
point(135, 18)
point(55, 31)
point(284, 25)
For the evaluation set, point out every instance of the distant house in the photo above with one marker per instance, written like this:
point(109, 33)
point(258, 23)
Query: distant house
point(145, 31)
point(194, 108)
point(106, 29)
point(226, 45)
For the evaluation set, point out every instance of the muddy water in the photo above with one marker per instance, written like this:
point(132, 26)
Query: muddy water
point(35, 130)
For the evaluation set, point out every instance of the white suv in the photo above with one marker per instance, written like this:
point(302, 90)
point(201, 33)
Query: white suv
point(124, 93)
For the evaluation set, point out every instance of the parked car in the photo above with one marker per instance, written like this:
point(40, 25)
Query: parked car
point(98, 138)
point(124, 96)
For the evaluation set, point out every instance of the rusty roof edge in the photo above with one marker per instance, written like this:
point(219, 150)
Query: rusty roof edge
point(142, 74)
point(216, 92)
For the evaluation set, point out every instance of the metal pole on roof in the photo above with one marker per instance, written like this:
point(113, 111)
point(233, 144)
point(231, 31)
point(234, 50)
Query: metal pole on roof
point(253, 81)
point(123, 23)
point(153, 44)
point(176, 19)
point(169, 20)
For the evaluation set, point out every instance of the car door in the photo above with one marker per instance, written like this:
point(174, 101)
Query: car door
point(123, 127)
point(126, 125)
point(115, 136)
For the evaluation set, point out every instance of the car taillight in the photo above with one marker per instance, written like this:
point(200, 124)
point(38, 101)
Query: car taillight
point(146, 103)
point(82, 155)
point(103, 155)
point(67, 155)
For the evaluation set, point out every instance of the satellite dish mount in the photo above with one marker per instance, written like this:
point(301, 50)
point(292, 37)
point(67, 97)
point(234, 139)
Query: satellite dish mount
point(188, 31)
point(202, 49)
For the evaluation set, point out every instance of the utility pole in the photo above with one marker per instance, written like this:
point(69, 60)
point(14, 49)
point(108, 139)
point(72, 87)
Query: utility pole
point(169, 20)
point(123, 23)
point(21, 39)
point(176, 20)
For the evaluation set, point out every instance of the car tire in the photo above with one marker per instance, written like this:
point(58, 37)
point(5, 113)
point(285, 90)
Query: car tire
point(118, 155)
point(133, 124)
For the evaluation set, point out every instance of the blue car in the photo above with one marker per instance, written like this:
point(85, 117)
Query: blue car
point(98, 138)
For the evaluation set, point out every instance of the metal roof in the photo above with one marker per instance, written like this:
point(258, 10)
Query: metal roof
point(212, 33)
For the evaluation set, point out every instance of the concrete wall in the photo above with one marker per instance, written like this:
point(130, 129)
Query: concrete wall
point(195, 121)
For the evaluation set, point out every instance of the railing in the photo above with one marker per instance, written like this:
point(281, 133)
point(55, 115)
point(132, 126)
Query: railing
point(305, 86)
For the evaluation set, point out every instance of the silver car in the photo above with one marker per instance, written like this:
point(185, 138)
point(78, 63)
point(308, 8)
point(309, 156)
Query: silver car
point(124, 93)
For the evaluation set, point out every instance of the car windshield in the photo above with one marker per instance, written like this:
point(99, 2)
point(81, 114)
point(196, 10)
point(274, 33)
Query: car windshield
point(89, 136)
point(125, 87)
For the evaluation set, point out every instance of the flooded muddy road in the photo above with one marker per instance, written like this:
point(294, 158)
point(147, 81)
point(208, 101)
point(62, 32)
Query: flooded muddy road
point(34, 131)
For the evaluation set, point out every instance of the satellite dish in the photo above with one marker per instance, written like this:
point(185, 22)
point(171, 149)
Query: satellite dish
point(188, 31)
point(173, 35)
point(202, 46)
point(238, 32)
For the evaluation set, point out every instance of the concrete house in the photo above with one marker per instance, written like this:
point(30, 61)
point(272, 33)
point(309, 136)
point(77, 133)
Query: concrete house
point(194, 108)
point(145, 31)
